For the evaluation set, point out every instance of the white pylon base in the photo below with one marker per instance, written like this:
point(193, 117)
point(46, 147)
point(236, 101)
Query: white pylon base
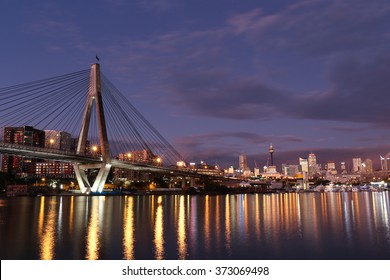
point(98, 184)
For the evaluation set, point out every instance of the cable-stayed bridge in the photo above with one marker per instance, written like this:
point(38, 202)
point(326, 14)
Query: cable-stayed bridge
point(109, 130)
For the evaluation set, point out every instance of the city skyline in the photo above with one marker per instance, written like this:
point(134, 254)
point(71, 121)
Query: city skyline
point(228, 81)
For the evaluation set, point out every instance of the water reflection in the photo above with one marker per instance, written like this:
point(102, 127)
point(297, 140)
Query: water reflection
point(48, 229)
point(181, 231)
point(206, 228)
point(159, 230)
point(128, 229)
point(228, 219)
point(93, 241)
point(272, 226)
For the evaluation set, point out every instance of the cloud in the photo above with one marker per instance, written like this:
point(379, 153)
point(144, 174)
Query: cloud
point(358, 93)
point(214, 72)
point(318, 27)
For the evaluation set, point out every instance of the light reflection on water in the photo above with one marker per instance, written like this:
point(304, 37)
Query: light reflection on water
point(159, 230)
point(128, 229)
point(272, 226)
point(92, 238)
point(181, 231)
point(48, 230)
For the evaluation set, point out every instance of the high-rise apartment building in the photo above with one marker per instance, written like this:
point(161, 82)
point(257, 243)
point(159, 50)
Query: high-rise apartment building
point(25, 135)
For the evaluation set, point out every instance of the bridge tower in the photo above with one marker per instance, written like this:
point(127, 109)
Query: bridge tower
point(94, 96)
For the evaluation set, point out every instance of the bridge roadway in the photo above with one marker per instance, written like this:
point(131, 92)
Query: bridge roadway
point(65, 156)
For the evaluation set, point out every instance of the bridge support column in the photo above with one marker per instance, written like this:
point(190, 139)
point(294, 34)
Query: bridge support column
point(94, 96)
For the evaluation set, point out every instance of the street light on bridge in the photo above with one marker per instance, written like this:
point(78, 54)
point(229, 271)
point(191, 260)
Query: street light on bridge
point(51, 141)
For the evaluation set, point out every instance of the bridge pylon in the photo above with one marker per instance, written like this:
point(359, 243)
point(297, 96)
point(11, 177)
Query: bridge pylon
point(94, 96)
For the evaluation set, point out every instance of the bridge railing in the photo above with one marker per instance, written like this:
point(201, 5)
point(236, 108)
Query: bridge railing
point(42, 150)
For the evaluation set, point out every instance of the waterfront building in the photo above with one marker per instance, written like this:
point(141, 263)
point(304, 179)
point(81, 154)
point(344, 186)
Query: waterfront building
point(331, 167)
point(141, 156)
point(356, 165)
point(304, 165)
point(54, 169)
point(28, 136)
point(290, 170)
point(206, 169)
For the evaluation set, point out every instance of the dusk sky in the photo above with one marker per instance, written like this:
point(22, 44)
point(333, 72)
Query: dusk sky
point(223, 77)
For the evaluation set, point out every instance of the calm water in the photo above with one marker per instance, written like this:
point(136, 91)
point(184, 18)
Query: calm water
point(247, 226)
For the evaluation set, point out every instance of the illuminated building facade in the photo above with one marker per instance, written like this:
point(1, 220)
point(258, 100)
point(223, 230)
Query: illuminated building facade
point(28, 136)
point(54, 169)
point(313, 167)
point(356, 165)
point(385, 162)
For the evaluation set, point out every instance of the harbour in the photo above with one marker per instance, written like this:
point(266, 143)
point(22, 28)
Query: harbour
point(279, 226)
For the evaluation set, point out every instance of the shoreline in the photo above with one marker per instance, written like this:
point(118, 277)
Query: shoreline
point(173, 192)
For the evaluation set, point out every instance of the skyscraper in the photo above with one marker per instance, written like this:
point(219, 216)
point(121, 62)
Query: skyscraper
point(385, 162)
point(356, 165)
point(313, 167)
point(367, 166)
point(242, 162)
point(303, 162)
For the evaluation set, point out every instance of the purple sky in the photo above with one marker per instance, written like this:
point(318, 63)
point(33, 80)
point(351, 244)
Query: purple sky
point(218, 78)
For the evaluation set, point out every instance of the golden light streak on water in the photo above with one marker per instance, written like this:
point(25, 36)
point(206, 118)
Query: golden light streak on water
point(128, 229)
point(47, 242)
point(93, 243)
point(217, 221)
point(257, 215)
point(181, 231)
point(71, 213)
point(228, 216)
point(246, 216)
point(41, 216)
point(159, 231)
point(207, 222)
